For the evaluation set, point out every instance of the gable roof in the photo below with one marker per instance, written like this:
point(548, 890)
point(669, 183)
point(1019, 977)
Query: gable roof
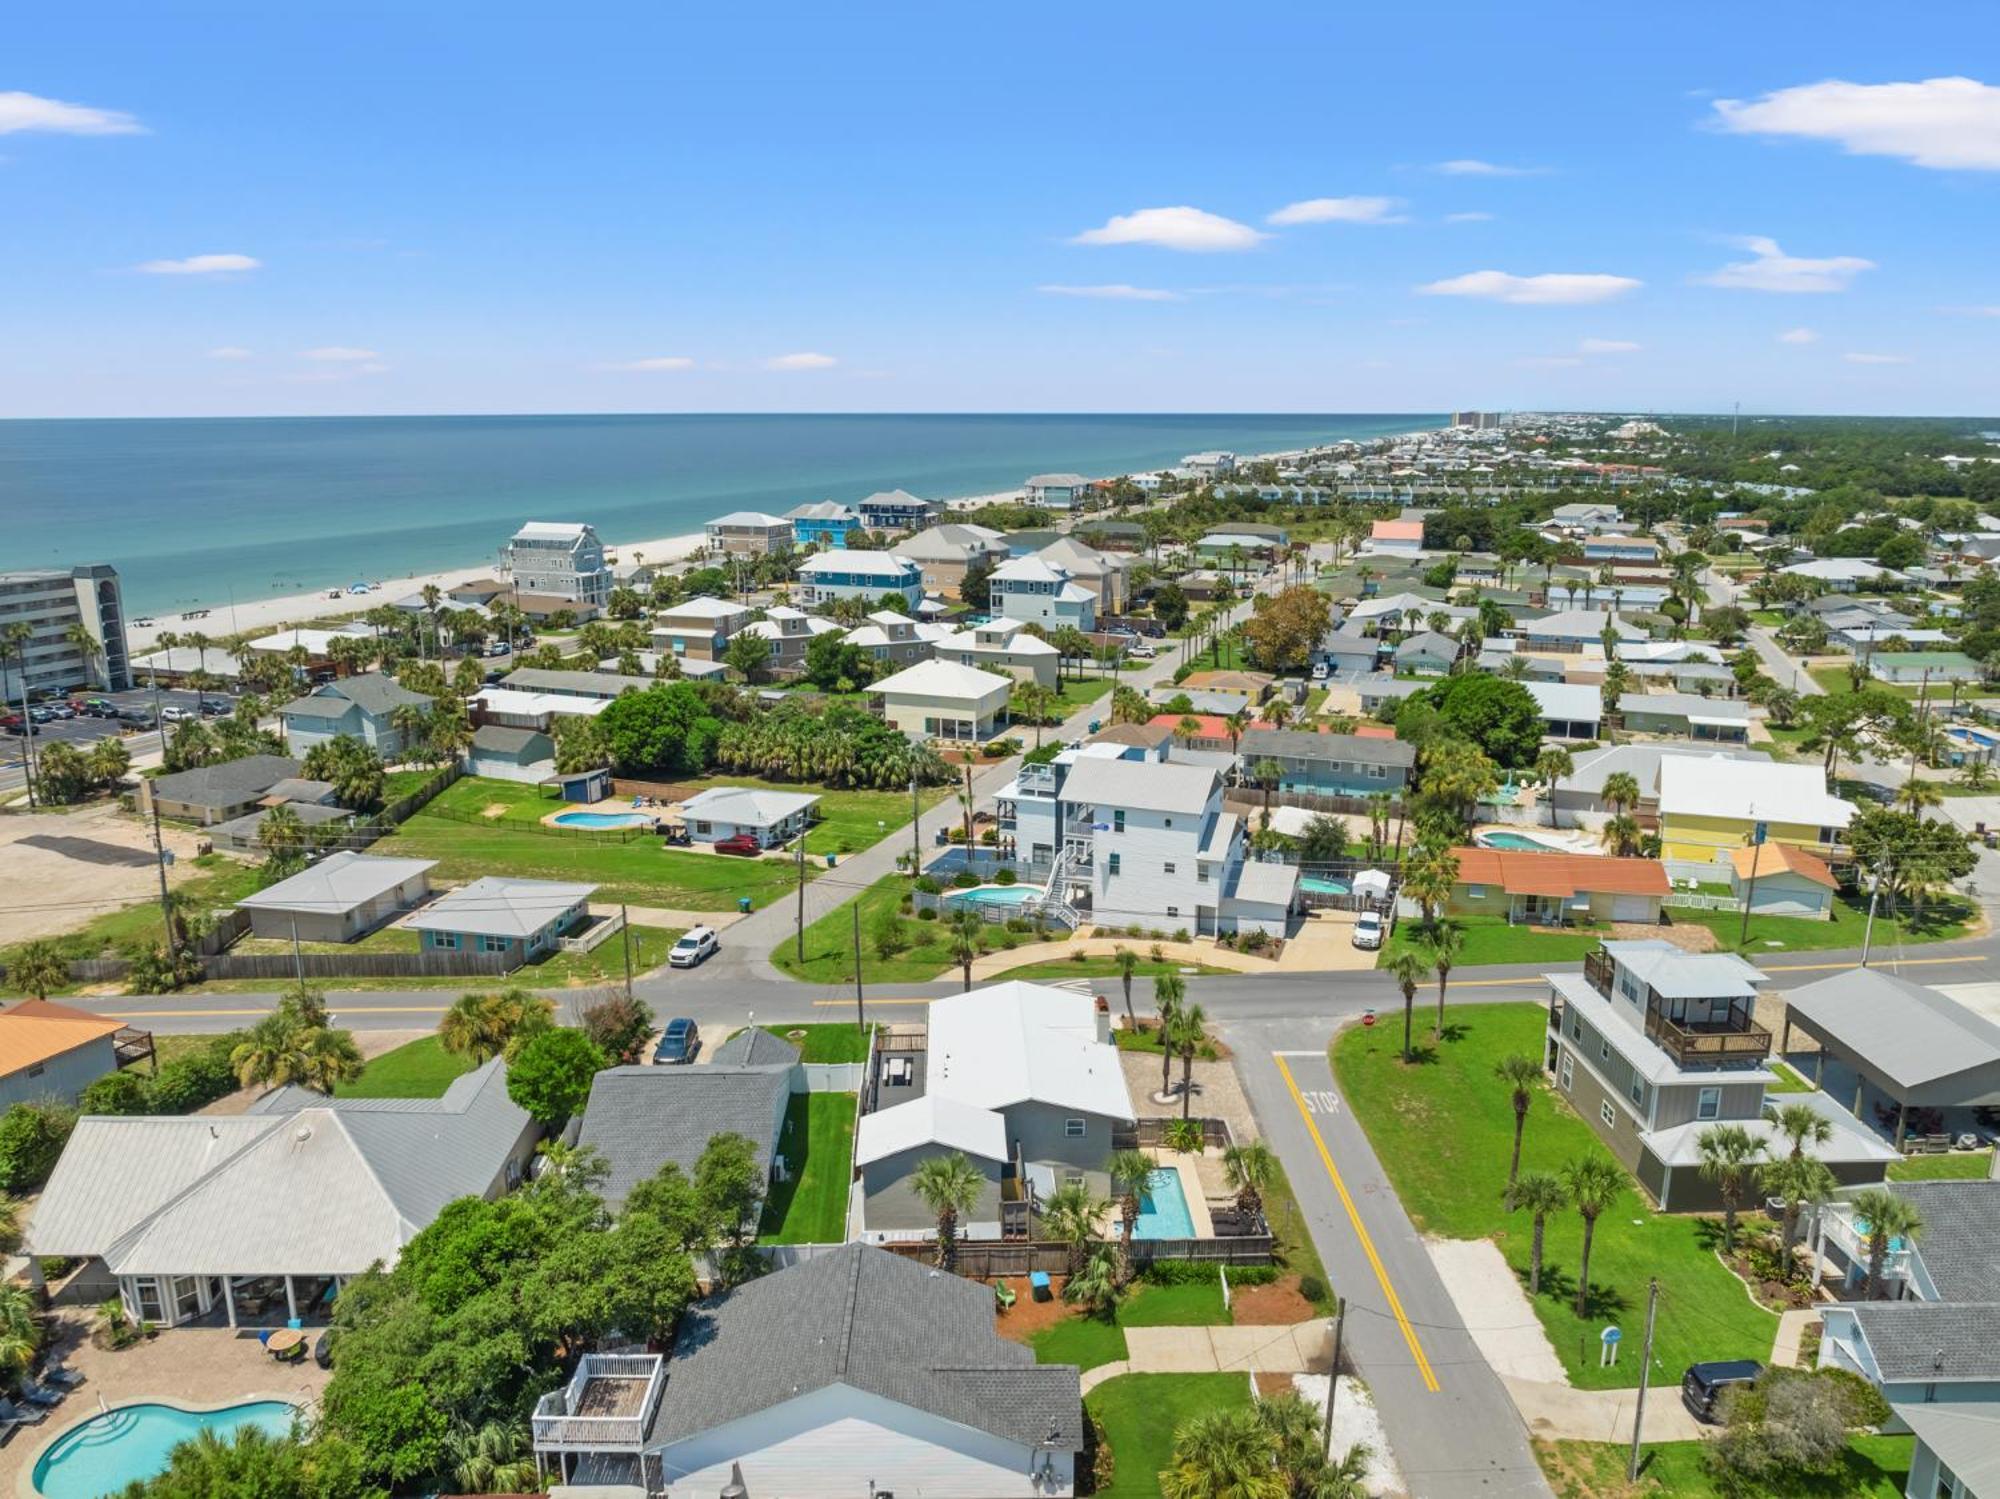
point(1304, 744)
point(35, 1030)
point(373, 693)
point(338, 883)
point(1782, 858)
point(1934, 1342)
point(500, 906)
point(226, 784)
point(1521, 872)
point(930, 1120)
point(1961, 1224)
point(1964, 1434)
point(1013, 1042)
point(1140, 786)
point(753, 1046)
point(872, 1321)
point(639, 1118)
point(1903, 1030)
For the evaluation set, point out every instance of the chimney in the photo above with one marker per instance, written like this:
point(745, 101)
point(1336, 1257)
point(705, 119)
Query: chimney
point(1103, 1020)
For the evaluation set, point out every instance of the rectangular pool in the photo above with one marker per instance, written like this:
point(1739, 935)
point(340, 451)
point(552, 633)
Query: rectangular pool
point(1163, 1209)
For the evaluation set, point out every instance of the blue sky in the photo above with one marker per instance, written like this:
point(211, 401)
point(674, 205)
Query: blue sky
point(444, 207)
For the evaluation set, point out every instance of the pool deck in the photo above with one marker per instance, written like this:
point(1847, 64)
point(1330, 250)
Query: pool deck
point(619, 807)
point(221, 1367)
point(1549, 840)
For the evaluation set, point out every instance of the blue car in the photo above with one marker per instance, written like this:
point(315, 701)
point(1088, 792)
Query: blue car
point(679, 1045)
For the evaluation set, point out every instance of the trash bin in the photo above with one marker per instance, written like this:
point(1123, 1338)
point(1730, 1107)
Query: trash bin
point(743, 904)
point(830, 860)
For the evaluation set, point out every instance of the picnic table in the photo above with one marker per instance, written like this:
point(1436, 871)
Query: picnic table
point(284, 1341)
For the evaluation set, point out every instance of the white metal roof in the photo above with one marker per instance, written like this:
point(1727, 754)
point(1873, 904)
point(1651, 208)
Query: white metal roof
point(883, 564)
point(750, 519)
point(943, 679)
point(1267, 884)
point(1016, 1042)
point(548, 530)
point(499, 906)
point(1567, 702)
point(516, 701)
point(1717, 786)
point(1030, 570)
point(338, 882)
point(1151, 786)
point(931, 1120)
point(707, 606)
point(746, 806)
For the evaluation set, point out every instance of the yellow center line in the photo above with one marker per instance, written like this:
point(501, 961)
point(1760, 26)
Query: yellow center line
point(1360, 1229)
point(1878, 962)
point(336, 1009)
point(837, 1003)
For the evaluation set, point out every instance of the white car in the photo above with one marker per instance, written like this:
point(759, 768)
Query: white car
point(1321, 671)
point(1368, 930)
point(172, 714)
point(1143, 651)
point(696, 944)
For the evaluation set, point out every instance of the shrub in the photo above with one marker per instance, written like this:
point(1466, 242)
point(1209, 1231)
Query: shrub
point(1005, 877)
point(928, 913)
point(197, 1079)
point(1193, 1273)
point(1078, 955)
point(619, 1026)
point(996, 749)
point(1256, 940)
point(928, 885)
point(32, 1136)
point(965, 879)
point(1313, 1289)
point(551, 1076)
point(1156, 952)
point(1180, 934)
point(117, 1093)
point(990, 837)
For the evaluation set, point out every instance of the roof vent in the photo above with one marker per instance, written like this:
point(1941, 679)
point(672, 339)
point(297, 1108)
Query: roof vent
point(303, 1133)
point(736, 1488)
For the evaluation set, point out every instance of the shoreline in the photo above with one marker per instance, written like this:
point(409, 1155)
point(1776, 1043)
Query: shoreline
point(263, 616)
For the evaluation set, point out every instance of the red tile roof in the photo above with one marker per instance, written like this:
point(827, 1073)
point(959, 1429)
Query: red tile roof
point(1522, 873)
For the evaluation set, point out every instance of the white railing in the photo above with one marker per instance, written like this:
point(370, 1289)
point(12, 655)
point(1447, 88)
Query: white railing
point(555, 1426)
point(1692, 902)
point(595, 935)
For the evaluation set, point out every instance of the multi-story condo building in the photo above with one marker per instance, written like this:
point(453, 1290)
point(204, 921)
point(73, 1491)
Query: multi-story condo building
point(559, 560)
point(897, 510)
point(1040, 593)
point(1058, 491)
point(749, 533)
point(77, 620)
point(826, 523)
point(1135, 839)
point(847, 574)
point(698, 629)
point(1652, 1045)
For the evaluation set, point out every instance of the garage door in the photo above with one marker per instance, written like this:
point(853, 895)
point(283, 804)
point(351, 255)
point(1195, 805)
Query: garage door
point(1631, 908)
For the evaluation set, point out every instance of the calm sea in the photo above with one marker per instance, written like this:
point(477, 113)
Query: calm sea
point(193, 512)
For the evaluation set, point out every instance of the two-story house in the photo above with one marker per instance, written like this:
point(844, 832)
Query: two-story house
point(943, 553)
point(1330, 764)
point(1038, 592)
point(1711, 806)
point(749, 533)
point(897, 510)
point(825, 523)
point(896, 639)
point(1058, 491)
point(1004, 645)
point(361, 707)
point(698, 629)
point(790, 633)
point(1652, 1045)
point(845, 574)
point(1105, 574)
point(559, 560)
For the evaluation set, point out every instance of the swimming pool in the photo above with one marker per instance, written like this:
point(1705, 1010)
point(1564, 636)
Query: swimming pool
point(1163, 1208)
point(995, 895)
point(601, 819)
point(1314, 885)
point(1520, 842)
point(132, 1442)
point(1967, 734)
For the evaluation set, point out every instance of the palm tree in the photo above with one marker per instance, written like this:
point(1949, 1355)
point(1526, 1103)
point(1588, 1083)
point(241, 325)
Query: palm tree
point(1224, 1454)
point(38, 967)
point(1128, 964)
point(1522, 1074)
point(280, 833)
point(1917, 795)
point(1441, 946)
point(1592, 1183)
point(966, 930)
point(1802, 1125)
point(1169, 993)
point(1800, 1182)
point(490, 1460)
point(1621, 790)
point(1070, 1216)
point(326, 1059)
point(1098, 1281)
point(1886, 1217)
point(1186, 1036)
point(949, 1185)
point(1408, 968)
point(14, 640)
point(1249, 1169)
point(1130, 1170)
point(1552, 764)
point(1729, 1155)
point(1539, 1194)
point(20, 1329)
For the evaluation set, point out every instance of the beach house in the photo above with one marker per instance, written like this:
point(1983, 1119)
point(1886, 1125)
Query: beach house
point(945, 700)
point(845, 574)
point(825, 523)
point(1710, 808)
point(897, 510)
point(749, 533)
point(1397, 538)
point(1106, 575)
point(1058, 491)
point(218, 793)
point(522, 919)
point(770, 816)
point(1554, 889)
point(790, 633)
point(342, 898)
point(698, 629)
point(551, 560)
point(1329, 764)
point(500, 752)
point(943, 553)
point(1038, 592)
point(51, 1051)
point(1686, 715)
point(361, 707)
point(894, 639)
point(1004, 645)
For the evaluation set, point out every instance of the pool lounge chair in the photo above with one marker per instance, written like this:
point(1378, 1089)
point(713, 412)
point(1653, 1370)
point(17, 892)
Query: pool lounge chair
point(61, 1378)
point(14, 1415)
point(42, 1395)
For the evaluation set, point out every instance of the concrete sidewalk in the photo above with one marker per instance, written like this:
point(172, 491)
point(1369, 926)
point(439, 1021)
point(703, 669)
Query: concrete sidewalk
point(1296, 1349)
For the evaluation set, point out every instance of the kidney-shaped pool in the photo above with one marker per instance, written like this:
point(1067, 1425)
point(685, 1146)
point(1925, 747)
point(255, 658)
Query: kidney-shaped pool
point(130, 1442)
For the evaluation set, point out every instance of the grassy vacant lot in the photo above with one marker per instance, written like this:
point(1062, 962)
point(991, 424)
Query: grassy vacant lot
point(420, 1069)
point(1943, 921)
point(1139, 1414)
point(848, 819)
point(1876, 1468)
point(810, 1205)
point(1960, 1165)
point(1442, 1127)
point(641, 872)
point(1834, 681)
point(1078, 692)
point(922, 949)
point(1488, 939)
point(604, 964)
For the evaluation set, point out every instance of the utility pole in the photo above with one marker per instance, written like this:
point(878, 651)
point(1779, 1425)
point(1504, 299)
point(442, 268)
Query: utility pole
point(1750, 890)
point(1868, 931)
point(1333, 1372)
point(860, 1015)
point(916, 841)
point(298, 959)
point(166, 903)
point(625, 931)
point(799, 938)
point(1645, 1369)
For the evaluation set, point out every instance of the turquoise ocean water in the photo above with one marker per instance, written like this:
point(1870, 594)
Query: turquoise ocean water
point(192, 512)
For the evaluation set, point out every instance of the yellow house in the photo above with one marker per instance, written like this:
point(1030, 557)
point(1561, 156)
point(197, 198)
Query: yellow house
point(1710, 806)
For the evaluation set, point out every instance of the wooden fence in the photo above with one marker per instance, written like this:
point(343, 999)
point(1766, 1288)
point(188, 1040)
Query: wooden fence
point(987, 1259)
point(284, 967)
point(1150, 1132)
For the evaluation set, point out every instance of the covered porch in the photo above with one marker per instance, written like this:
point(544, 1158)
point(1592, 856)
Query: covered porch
point(236, 1301)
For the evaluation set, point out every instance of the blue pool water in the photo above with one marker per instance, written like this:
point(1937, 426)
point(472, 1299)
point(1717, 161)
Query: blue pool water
point(122, 1446)
point(1318, 886)
point(1163, 1209)
point(1966, 734)
point(1520, 841)
point(996, 895)
point(600, 819)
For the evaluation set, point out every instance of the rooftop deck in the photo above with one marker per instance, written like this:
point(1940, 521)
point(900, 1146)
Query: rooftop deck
point(605, 1407)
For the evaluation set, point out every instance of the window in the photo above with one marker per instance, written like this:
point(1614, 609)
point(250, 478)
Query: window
point(1708, 1103)
point(1638, 1090)
point(488, 943)
point(1605, 1112)
point(1947, 1483)
point(37, 1070)
point(1073, 1129)
point(1111, 864)
point(1378, 772)
point(1567, 1072)
point(1475, 892)
point(1201, 874)
point(1169, 822)
point(1603, 1050)
point(448, 940)
point(1174, 911)
point(1167, 868)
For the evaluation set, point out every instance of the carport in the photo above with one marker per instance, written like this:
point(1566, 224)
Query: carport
point(1917, 1047)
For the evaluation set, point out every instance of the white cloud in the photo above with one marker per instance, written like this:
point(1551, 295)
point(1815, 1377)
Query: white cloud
point(1466, 166)
point(1607, 346)
point(1190, 229)
point(1340, 211)
point(1115, 292)
point(229, 351)
point(339, 354)
point(1474, 217)
point(1876, 358)
point(1951, 124)
point(1798, 336)
point(1774, 270)
point(23, 112)
point(201, 265)
point(1548, 289)
point(801, 362)
point(657, 362)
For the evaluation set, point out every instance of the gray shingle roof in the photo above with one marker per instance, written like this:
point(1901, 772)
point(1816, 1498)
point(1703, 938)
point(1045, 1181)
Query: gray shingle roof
point(639, 1118)
point(1931, 1341)
point(1350, 749)
point(754, 1046)
point(874, 1321)
point(1961, 1228)
point(500, 739)
point(227, 784)
point(371, 692)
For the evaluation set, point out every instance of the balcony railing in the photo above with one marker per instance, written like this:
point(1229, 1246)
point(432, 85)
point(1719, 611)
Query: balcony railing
point(1715, 1045)
point(606, 1406)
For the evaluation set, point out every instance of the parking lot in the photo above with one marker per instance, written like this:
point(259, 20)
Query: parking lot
point(83, 731)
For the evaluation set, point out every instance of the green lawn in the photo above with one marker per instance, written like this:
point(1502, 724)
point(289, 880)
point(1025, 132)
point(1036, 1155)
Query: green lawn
point(1788, 1079)
point(1959, 1165)
point(1099, 968)
point(810, 1205)
point(420, 1069)
point(1835, 682)
point(1876, 1468)
point(382, 939)
point(397, 784)
point(1076, 693)
point(603, 964)
point(1083, 1341)
point(1443, 1127)
point(1489, 939)
point(849, 821)
point(642, 872)
point(921, 948)
point(1139, 1414)
point(1943, 921)
point(1197, 1305)
point(831, 1042)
